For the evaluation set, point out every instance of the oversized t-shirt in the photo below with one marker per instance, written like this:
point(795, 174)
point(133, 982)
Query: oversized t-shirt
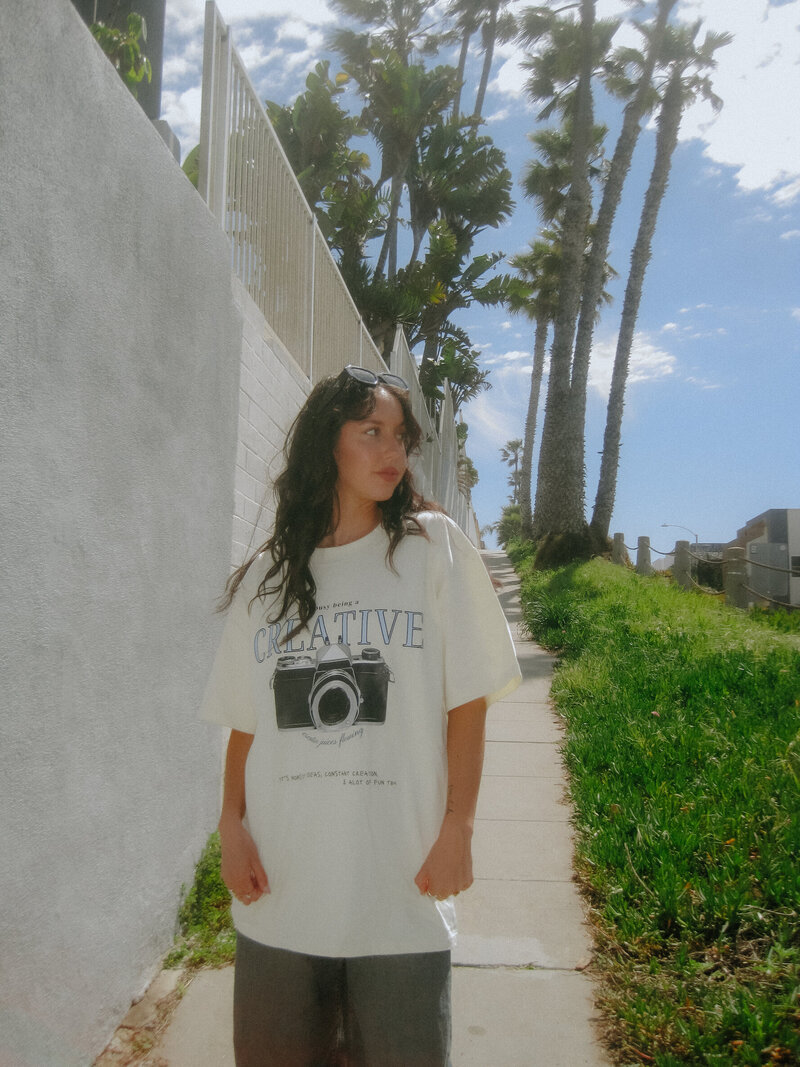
point(346, 777)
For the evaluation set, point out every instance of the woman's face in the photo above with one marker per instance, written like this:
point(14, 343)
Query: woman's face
point(371, 454)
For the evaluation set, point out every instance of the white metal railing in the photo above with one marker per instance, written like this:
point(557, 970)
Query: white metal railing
point(281, 256)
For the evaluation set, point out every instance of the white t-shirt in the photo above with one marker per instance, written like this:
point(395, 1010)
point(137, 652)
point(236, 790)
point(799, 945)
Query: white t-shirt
point(346, 777)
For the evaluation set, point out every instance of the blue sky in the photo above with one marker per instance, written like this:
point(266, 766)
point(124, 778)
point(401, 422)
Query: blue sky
point(711, 436)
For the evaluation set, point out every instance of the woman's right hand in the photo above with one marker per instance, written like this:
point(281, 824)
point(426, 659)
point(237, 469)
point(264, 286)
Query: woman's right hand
point(241, 867)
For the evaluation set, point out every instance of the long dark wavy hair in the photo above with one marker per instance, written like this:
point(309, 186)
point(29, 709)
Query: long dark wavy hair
point(306, 495)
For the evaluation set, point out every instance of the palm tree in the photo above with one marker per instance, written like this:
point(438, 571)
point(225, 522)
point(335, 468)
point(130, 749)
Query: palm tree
point(467, 16)
point(401, 100)
point(457, 184)
point(640, 93)
point(315, 133)
point(686, 81)
point(459, 176)
point(540, 269)
point(494, 27)
point(458, 366)
point(546, 179)
point(510, 453)
point(401, 96)
point(488, 17)
point(396, 25)
point(460, 283)
point(560, 491)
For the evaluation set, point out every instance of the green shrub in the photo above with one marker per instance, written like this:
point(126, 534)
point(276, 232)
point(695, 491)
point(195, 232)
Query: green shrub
point(780, 619)
point(519, 550)
point(207, 935)
point(509, 526)
point(123, 49)
point(683, 751)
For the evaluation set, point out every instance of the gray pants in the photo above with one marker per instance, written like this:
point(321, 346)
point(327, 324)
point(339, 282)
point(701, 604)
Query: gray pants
point(293, 1010)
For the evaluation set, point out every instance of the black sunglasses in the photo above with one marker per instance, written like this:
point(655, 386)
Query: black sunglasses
point(368, 377)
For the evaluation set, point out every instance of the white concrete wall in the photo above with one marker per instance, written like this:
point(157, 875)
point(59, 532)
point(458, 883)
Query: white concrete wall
point(120, 343)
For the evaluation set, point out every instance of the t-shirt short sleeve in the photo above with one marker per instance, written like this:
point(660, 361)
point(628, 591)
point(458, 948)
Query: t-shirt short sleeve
point(228, 698)
point(478, 650)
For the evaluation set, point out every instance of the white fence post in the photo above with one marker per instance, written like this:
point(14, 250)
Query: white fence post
point(215, 114)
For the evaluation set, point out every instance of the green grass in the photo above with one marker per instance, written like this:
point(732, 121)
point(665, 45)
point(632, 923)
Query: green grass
point(683, 749)
point(207, 937)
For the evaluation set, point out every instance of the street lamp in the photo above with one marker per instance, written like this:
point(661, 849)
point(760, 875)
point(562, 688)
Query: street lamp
point(686, 528)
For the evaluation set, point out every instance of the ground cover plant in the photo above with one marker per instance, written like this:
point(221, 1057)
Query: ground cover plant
point(207, 937)
point(683, 749)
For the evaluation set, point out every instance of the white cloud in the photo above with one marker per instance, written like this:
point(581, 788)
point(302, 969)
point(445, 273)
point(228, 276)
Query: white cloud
point(795, 313)
point(311, 11)
point(506, 360)
point(510, 77)
point(487, 421)
point(255, 55)
point(702, 383)
point(177, 67)
point(758, 79)
point(790, 235)
point(305, 60)
point(648, 362)
point(499, 413)
point(669, 327)
point(186, 17)
point(297, 29)
point(787, 193)
point(182, 112)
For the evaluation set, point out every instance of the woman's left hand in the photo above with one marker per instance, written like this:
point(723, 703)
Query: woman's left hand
point(447, 869)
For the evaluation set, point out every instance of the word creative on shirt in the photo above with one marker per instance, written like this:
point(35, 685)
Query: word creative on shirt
point(363, 626)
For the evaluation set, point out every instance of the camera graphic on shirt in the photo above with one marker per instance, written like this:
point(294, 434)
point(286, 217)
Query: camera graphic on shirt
point(332, 690)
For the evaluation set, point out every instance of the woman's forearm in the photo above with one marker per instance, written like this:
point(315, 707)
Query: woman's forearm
point(233, 796)
point(448, 866)
point(466, 733)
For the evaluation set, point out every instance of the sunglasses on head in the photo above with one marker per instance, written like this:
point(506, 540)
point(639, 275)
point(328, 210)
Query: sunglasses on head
point(369, 378)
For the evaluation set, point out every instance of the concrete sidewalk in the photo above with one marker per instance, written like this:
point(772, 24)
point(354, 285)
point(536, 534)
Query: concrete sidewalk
point(521, 997)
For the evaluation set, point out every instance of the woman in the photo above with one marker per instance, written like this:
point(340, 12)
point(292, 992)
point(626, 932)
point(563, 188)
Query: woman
point(363, 646)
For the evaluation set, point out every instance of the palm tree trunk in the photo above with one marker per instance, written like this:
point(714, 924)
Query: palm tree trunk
point(490, 35)
point(612, 192)
point(462, 66)
point(419, 237)
point(561, 481)
point(666, 139)
point(431, 348)
point(539, 347)
point(389, 245)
